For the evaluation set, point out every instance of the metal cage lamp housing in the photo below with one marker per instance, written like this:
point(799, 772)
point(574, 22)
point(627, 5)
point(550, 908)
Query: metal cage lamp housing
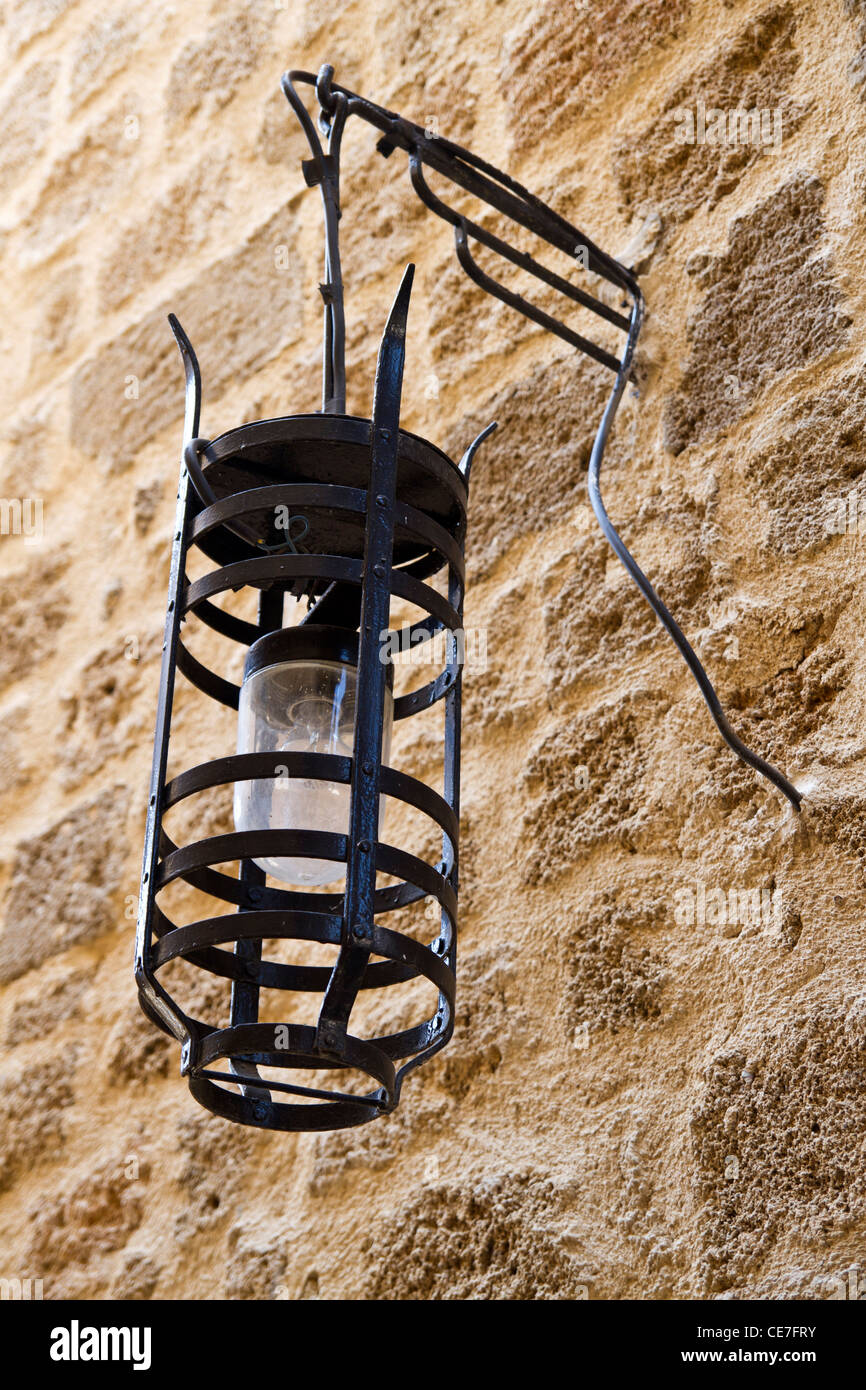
point(349, 514)
point(385, 511)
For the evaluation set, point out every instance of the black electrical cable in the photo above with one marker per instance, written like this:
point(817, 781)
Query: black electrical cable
point(665, 618)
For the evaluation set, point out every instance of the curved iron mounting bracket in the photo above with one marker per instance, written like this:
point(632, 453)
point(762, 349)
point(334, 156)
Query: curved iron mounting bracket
point(509, 198)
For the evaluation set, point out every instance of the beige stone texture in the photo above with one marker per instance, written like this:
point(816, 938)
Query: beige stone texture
point(639, 1101)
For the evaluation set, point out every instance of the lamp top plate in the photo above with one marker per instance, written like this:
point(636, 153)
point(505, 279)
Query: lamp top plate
point(330, 450)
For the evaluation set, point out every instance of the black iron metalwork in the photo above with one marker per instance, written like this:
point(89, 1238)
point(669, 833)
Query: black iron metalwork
point(507, 197)
point(384, 512)
point(374, 513)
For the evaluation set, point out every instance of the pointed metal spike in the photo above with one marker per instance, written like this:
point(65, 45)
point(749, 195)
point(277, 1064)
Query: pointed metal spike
point(395, 328)
point(192, 409)
point(392, 355)
point(399, 310)
point(465, 463)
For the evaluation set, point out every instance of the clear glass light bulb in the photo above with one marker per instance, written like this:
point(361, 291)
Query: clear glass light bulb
point(300, 707)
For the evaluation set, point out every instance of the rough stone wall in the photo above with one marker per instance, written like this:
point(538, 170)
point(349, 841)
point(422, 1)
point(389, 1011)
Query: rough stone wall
point(654, 1090)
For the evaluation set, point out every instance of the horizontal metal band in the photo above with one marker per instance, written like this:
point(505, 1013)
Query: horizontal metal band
point(288, 1088)
point(330, 567)
point(394, 946)
point(227, 693)
point(406, 959)
point(414, 870)
point(261, 1114)
point(310, 844)
point(327, 767)
point(250, 844)
point(329, 496)
point(334, 568)
point(245, 895)
point(416, 793)
point(407, 638)
point(426, 695)
point(206, 680)
point(255, 1042)
point(243, 767)
point(228, 624)
point(251, 572)
point(425, 1038)
point(196, 942)
point(414, 591)
point(418, 523)
point(246, 926)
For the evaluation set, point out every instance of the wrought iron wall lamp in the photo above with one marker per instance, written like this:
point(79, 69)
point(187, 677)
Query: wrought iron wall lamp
point(347, 513)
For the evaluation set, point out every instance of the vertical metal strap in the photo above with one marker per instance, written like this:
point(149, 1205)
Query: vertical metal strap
point(451, 788)
point(245, 993)
point(156, 997)
point(324, 169)
point(369, 718)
